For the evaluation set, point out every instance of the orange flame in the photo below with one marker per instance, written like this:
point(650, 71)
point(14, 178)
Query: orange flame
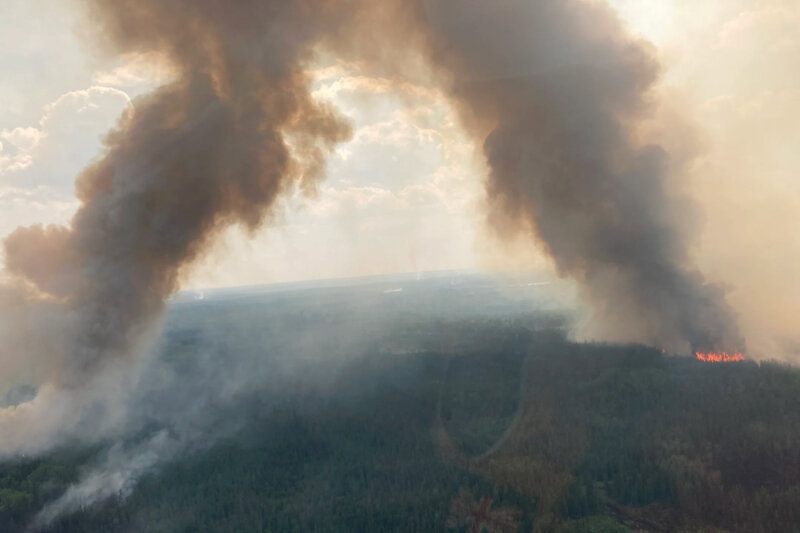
point(719, 357)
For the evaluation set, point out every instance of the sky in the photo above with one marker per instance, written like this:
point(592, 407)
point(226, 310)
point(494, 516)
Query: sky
point(405, 194)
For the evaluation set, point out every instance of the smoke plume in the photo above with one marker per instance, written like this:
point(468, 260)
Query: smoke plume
point(553, 92)
point(214, 147)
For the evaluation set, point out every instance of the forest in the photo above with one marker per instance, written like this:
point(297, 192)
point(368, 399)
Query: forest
point(456, 422)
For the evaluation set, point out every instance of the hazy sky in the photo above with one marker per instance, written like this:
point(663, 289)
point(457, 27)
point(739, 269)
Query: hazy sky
point(405, 193)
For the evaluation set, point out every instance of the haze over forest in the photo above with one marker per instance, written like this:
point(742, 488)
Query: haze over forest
point(585, 187)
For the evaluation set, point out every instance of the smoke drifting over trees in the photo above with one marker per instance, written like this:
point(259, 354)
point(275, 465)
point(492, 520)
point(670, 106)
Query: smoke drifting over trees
point(210, 149)
point(554, 92)
point(551, 91)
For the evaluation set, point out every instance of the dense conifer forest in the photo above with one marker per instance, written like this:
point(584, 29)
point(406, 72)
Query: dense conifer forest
point(442, 421)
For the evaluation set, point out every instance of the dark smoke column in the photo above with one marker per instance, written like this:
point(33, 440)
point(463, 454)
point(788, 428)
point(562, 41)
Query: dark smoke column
point(215, 147)
point(553, 89)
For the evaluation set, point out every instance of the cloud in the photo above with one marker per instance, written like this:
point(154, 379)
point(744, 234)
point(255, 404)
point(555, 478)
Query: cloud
point(397, 130)
point(136, 73)
point(38, 164)
point(66, 138)
point(15, 154)
point(29, 206)
point(333, 81)
point(771, 27)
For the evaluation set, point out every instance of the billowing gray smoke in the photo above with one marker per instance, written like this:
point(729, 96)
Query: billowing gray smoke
point(216, 146)
point(552, 90)
point(207, 150)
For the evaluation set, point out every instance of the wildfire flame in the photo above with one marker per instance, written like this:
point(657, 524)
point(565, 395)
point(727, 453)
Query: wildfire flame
point(719, 357)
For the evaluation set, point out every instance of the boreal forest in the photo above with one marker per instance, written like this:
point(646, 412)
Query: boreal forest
point(442, 407)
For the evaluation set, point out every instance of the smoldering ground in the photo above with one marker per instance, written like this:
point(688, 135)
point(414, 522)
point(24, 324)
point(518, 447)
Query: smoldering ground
point(552, 92)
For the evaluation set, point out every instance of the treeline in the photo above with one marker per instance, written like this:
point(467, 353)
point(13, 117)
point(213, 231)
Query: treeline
point(574, 437)
point(661, 443)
